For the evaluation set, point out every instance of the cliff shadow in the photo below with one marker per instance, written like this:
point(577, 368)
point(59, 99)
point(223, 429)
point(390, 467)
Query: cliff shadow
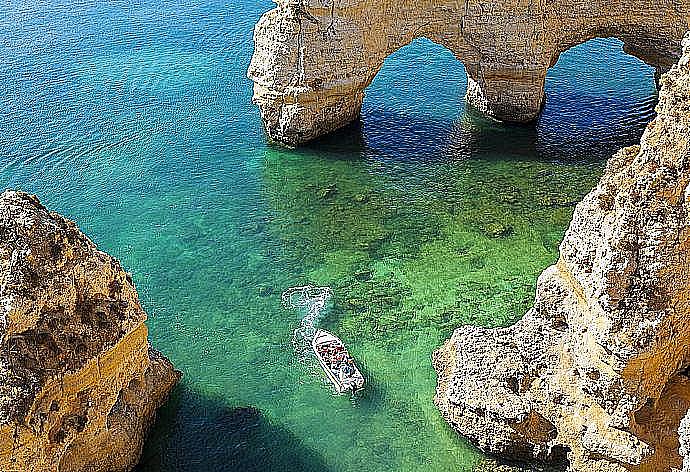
point(389, 135)
point(394, 137)
point(196, 432)
point(344, 144)
point(589, 112)
point(568, 130)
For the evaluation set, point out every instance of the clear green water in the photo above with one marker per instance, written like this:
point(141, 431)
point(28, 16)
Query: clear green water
point(134, 119)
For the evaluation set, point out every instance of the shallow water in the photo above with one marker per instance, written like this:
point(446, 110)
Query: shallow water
point(134, 119)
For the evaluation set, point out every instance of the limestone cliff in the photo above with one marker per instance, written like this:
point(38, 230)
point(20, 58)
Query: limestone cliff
point(595, 376)
point(313, 59)
point(79, 383)
point(684, 438)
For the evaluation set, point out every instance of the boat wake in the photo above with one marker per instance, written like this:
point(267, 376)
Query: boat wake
point(312, 301)
point(318, 349)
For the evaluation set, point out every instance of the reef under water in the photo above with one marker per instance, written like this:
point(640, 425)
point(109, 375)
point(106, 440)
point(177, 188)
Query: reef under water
point(421, 218)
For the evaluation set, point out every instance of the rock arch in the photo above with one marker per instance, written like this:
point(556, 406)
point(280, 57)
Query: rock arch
point(596, 375)
point(313, 59)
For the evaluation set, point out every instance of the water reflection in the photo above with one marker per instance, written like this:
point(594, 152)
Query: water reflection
point(590, 111)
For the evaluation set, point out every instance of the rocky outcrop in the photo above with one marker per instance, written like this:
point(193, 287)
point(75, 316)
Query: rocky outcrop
point(313, 59)
point(489, 464)
point(595, 376)
point(684, 438)
point(79, 383)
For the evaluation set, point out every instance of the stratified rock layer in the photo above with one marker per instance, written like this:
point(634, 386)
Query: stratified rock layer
point(79, 383)
point(595, 375)
point(314, 58)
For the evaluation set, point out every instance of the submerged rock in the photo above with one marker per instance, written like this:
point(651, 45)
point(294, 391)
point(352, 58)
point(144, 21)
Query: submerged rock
point(497, 230)
point(266, 291)
point(327, 192)
point(595, 376)
point(555, 201)
point(79, 382)
point(361, 198)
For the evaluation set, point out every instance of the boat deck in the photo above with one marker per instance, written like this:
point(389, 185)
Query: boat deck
point(337, 363)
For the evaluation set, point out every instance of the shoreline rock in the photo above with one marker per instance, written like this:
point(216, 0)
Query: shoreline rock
point(596, 377)
point(79, 382)
point(313, 59)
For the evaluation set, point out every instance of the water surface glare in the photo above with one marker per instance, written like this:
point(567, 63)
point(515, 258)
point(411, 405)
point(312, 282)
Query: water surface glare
point(134, 119)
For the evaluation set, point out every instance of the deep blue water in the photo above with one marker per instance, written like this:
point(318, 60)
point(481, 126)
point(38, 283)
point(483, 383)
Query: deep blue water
point(135, 120)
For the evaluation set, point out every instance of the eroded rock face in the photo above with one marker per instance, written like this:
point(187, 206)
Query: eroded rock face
point(314, 58)
point(79, 383)
point(595, 376)
point(684, 437)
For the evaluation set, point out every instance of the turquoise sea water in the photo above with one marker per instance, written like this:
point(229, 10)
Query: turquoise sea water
point(134, 119)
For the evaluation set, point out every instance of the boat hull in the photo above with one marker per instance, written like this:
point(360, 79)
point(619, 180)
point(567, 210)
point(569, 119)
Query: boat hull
point(336, 362)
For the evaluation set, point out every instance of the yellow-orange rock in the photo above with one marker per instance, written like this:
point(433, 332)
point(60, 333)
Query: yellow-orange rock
point(313, 59)
point(596, 375)
point(79, 382)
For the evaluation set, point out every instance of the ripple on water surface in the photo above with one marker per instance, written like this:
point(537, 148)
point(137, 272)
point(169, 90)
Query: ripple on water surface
point(135, 120)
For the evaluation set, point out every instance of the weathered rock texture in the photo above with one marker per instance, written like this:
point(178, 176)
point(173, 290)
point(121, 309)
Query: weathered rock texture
point(314, 58)
point(595, 375)
point(79, 383)
point(684, 437)
point(491, 465)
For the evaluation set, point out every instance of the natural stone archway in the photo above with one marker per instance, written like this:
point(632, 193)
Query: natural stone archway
point(597, 373)
point(313, 59)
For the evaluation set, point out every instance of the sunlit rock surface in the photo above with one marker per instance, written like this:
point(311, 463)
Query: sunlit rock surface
point(595, 376)
point(313, 59)
point(684, 437)
point(79, 383)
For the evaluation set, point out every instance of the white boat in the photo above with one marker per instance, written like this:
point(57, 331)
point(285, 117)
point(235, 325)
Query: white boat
point(336, 362)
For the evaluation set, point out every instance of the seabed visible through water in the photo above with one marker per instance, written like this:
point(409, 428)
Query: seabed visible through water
point(135, 120)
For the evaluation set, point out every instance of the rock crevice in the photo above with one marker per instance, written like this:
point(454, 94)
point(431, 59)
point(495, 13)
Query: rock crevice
point(79, 382)
point(594, 376)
